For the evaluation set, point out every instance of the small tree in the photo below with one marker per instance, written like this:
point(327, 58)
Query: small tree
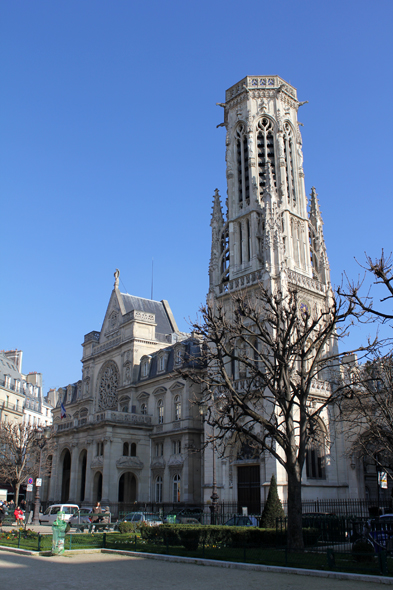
point(273, 508)
point(19, 454)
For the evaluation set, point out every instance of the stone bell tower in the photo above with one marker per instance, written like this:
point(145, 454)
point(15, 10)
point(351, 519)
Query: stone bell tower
point(268, 229)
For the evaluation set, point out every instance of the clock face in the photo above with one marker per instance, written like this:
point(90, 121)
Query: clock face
point(304, 308)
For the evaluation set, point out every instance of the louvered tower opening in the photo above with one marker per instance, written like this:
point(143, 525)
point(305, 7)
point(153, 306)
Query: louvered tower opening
point(266, 151)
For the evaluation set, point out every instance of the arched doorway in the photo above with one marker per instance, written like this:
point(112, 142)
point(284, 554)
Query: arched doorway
point(127, 488)
point(98, 486)
point(66, 476)
point(82, 474)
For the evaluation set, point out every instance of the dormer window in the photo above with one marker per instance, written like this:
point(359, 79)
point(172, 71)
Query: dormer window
point(161, 363)
point(145, 370)
point(178, 356)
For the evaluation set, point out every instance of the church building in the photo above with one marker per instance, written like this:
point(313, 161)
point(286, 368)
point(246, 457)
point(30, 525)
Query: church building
point(132, 431)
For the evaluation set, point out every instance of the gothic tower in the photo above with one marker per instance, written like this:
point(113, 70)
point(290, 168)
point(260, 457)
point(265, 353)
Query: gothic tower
point(268, 233)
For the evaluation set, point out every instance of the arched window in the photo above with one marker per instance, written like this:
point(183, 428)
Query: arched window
point(160, 407)
point(177, 408)
point(266, 153)
point(125, 449)
point(143, 409)
point(225, 255)
point(316, 454)
point(289, 154)
point(133, 450)
point(158, 493)
point(176, 488)
point(243, 182)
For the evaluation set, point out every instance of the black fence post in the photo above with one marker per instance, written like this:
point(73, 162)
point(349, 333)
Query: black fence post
point(104, 541)
point(331, 562)
point(19, 540)
point(39, 542)
point(203, 550)
point(135, 542)
point(244, 552)
point(383, 563)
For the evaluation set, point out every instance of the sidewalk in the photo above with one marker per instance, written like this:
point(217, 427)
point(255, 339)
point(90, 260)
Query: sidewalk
point(103, 571)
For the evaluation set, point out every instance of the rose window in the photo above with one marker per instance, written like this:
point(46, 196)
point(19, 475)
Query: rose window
point(108, 385)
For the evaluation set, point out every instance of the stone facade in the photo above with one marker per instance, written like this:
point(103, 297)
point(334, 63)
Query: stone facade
point(131, 432)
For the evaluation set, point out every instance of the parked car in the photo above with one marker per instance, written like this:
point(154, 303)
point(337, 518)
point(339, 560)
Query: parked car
point(82, 516)
point(50, 514)
point(139, 517)
point(242, 521)
point(184, 515)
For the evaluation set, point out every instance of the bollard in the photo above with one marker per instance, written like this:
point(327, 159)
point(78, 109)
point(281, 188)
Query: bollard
point(104, 541)
point(70, 542)
point(39, 542)
point(203, 549)
point(19, 540)
point(135, 542)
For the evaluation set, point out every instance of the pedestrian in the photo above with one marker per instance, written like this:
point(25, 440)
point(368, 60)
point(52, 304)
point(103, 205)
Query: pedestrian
point(19, 516)
point(2, 515)
point(96, 511)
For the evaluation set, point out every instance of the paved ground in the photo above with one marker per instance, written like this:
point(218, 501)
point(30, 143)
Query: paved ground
point(110, 571)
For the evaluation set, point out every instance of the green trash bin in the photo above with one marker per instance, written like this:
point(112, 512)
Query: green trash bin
point(171, 518)
point(58, 532)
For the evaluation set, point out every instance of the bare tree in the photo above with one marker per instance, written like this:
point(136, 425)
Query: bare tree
point(381, 270)
point(19, 453)
point(367, 406)
point(367, 411)
point(260, 366)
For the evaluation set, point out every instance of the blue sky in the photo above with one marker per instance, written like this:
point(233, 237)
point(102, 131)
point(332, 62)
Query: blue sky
point(110, 155)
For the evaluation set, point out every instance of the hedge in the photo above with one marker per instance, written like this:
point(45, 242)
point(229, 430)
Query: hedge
point(191, 535)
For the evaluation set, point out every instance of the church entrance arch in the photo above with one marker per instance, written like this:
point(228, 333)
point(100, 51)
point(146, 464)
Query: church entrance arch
point(66, 476)
point(127, 488)
point(97, 487)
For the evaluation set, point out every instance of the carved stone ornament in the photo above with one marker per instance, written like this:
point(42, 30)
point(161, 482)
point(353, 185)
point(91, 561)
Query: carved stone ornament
point(97, 462)
point(176, 461)
point(107, 386)
point(131, 462)
point(157, 463)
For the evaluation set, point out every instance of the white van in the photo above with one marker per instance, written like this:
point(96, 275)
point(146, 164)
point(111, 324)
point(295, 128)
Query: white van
point(50, 513)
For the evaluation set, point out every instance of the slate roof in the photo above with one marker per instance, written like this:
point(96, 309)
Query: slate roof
point(7, 367)
point(131, 303)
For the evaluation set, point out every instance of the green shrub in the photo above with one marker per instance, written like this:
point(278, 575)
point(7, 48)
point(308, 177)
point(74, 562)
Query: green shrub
point(127, 527)
point(363, 551)
point(273, 508)
point(190, 538)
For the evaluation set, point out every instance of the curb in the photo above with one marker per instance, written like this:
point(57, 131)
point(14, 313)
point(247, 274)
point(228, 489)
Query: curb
point(213, 563)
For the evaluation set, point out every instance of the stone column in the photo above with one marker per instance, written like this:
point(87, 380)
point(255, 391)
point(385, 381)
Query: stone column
point(74, 495)
point(89, 478)
point(106, 469)
point(55, 479)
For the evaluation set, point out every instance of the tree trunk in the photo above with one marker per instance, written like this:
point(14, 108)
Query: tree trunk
point(16, 496)
point(294, 530)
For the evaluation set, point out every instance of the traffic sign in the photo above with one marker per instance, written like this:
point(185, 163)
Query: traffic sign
point(30, 481)
point(38, 482)
point(29, 487)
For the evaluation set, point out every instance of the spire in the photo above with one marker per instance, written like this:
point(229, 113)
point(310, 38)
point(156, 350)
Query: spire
point(319, 257)
point(217, 216)
point(315, 212)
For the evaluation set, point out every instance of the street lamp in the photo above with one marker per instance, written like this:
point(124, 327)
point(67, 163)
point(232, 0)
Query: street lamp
point(42, 439)
point(214, 497)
